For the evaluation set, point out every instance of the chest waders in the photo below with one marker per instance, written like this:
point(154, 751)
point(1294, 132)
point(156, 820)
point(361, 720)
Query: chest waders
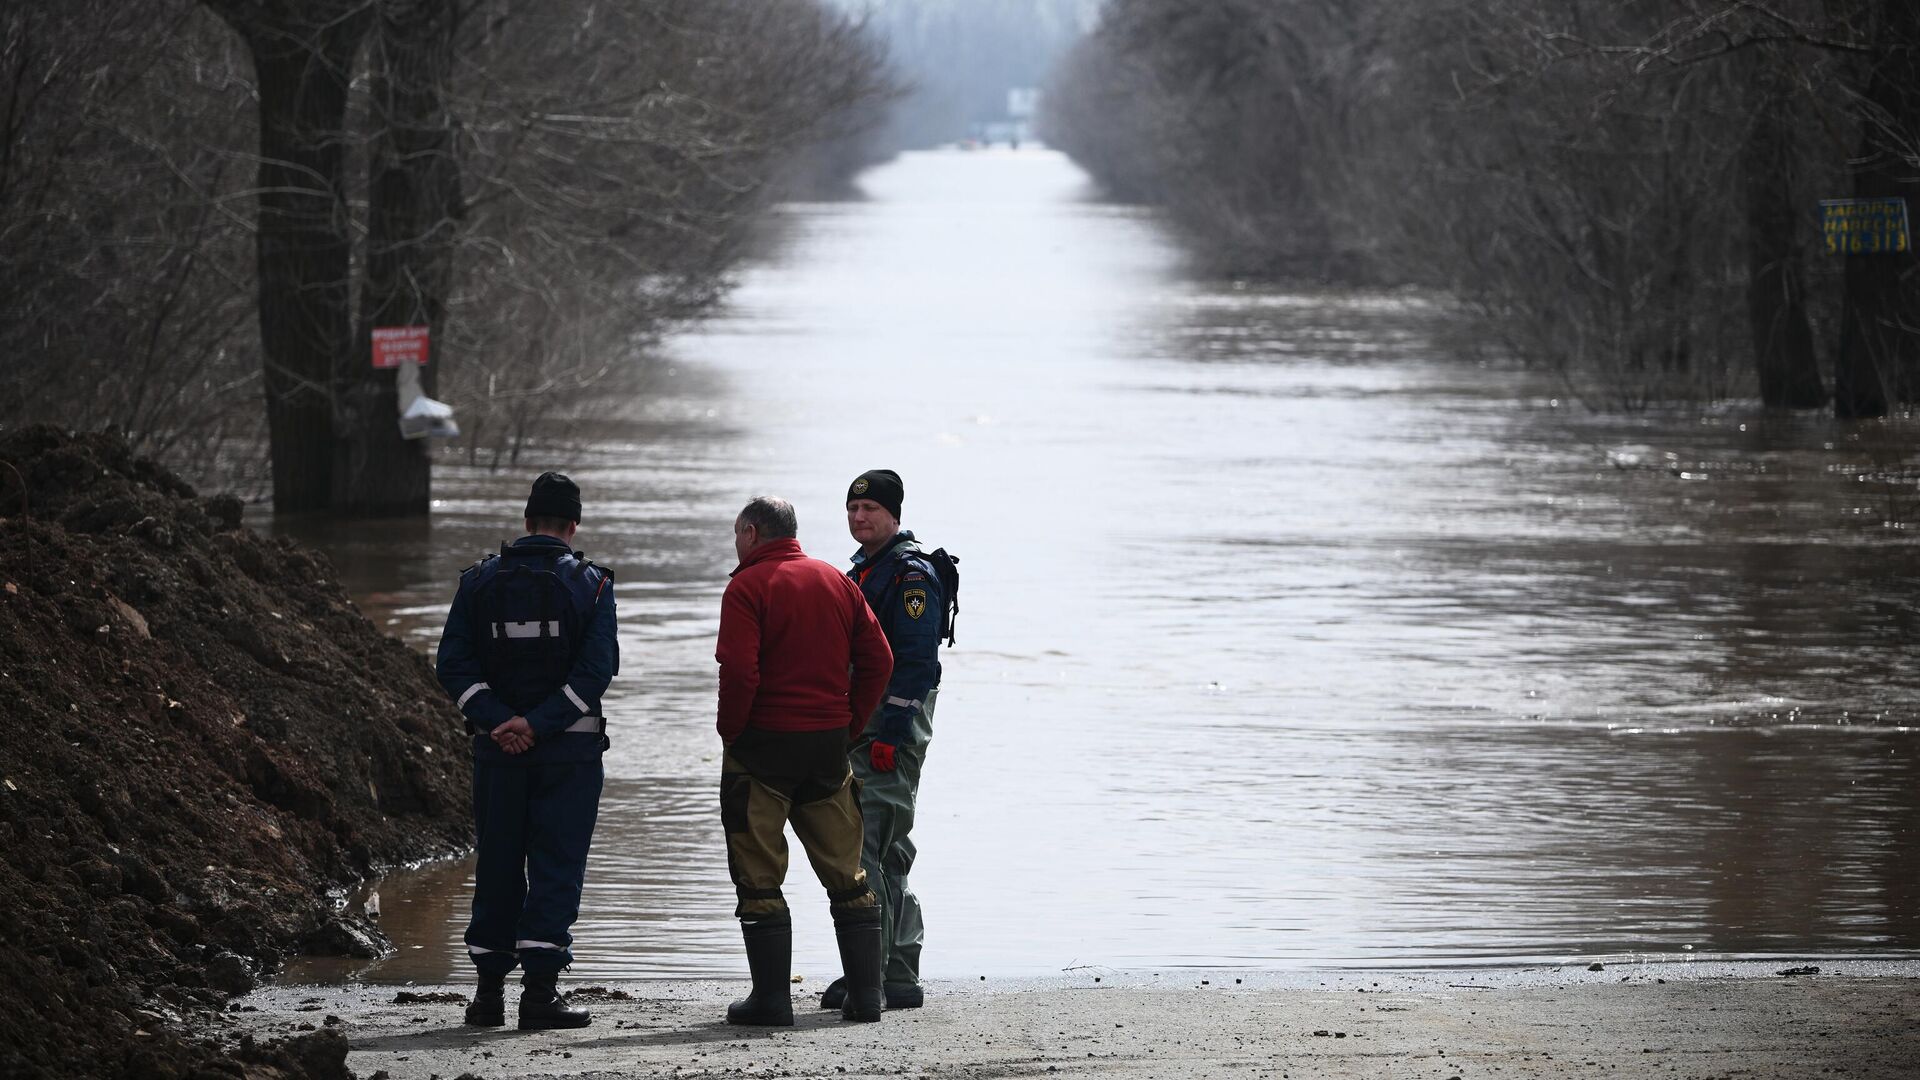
point(769, 780)
point(887, 802)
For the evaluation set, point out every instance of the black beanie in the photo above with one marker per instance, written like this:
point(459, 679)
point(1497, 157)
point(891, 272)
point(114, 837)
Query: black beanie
point(554, 496)
point(882, 486)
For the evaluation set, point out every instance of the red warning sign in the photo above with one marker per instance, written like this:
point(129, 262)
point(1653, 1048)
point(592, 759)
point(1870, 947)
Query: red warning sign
point(396, 345)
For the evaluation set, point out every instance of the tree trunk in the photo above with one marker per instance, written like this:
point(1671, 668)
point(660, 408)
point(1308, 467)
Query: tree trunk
point(413, 201)
point(1783, 352)
point(1879, 360)
point(302, 61)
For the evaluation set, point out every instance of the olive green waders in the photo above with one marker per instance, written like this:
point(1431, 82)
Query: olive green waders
point(887, 803)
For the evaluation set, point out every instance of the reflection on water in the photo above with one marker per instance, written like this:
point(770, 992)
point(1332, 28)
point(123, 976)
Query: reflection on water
point(1284, 639)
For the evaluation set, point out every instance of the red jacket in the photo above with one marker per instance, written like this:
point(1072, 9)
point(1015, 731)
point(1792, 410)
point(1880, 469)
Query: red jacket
point(799, 649)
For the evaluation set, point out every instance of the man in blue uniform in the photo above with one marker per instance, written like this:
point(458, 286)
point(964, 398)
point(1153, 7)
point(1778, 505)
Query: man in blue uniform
point(529, 647)
point(906, 595)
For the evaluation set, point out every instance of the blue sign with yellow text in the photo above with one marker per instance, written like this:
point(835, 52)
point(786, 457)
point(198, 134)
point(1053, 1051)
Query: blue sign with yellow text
point(1865, 226)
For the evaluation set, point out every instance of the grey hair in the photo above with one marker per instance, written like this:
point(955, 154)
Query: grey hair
point(771, 517)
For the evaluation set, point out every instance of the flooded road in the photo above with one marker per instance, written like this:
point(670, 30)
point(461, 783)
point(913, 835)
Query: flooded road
point(1286, 639)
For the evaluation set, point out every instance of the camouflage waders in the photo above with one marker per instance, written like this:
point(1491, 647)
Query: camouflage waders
point(771, 778)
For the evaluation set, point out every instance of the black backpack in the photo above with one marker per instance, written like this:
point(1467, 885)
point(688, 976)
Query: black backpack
point(947, 569)
point(528, 616)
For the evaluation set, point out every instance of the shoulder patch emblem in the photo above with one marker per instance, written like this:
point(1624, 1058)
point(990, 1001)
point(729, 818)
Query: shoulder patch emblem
point(916, 601)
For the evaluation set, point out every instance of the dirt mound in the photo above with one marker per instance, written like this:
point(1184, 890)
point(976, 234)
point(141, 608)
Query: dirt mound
point(206, 743)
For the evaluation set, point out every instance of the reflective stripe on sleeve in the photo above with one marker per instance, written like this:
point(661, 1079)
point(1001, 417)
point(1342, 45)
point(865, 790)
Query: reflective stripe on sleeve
point(471, 690)
point(526, 629)
point(575, 698)
point(909, 703)
point(535, 945)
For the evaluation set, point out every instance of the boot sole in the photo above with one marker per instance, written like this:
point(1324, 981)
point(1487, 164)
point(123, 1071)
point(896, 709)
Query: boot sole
point(486, 1021)
point(872, 1017)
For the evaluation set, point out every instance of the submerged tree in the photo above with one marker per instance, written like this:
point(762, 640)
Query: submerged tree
point(1620, 191)
point(413, 210)
point(545, 185)
point(1225, 112)
point(1786, 364)
point(303, 57)
point(1879, 360)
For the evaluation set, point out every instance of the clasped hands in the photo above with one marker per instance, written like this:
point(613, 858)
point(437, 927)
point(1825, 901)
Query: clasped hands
point(515, 736)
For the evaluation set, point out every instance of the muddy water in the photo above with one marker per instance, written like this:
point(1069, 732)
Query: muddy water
point(1287, 640)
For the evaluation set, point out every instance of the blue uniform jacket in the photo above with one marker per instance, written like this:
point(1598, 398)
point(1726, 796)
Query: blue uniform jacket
point(904, 593)
point(550, 702)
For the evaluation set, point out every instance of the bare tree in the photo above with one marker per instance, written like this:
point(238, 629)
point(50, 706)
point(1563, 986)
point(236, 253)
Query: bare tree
point(303, 58)
point(1786, 363)
point(548, 185)
point(1563, 167)
point(412, 213)
point(616, 159)
point(1879, 360)
point(1220, 110)
point(122, 261)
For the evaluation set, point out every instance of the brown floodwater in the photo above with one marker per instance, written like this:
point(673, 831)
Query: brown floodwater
point(1287, 639)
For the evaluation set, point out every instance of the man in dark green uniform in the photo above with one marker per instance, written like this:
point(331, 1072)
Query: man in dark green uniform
point(902, 586)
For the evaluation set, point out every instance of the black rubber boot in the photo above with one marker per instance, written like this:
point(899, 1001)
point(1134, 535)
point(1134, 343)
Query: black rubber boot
point(542, 1006)
point(898, 995)
point(770, 959)
point(858, 932)
point(489, 1005)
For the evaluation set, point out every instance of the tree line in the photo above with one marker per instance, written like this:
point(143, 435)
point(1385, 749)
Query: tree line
point(208, 204)
point(1625, 191)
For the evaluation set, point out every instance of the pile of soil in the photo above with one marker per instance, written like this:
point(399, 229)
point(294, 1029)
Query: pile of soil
point(206, 744)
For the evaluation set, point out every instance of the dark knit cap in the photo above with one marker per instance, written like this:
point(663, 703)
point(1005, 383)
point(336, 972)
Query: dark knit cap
point(554, 496)
point(882, 486)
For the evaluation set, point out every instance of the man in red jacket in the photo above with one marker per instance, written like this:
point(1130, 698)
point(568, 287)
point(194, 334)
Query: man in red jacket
point(803, 663)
